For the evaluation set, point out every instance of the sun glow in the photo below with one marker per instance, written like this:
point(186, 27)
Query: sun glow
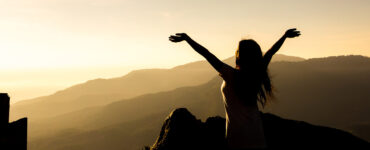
point(52, 35)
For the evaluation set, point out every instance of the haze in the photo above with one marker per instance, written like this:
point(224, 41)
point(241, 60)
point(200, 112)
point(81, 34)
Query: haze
point(48, 45)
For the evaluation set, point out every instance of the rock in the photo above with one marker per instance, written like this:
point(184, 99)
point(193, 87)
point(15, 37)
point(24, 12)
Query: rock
point(182, 131)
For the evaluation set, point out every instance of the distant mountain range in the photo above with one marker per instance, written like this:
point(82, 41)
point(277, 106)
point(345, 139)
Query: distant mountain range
point(330, 91)
point(104, 91)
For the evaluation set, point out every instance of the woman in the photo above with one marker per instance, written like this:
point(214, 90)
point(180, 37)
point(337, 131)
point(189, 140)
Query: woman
point(243, 86)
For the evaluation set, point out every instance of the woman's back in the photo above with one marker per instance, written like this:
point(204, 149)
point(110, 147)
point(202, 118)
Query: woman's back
point(243, 122)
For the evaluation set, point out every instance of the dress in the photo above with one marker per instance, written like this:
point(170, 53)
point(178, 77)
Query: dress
point(243, 122)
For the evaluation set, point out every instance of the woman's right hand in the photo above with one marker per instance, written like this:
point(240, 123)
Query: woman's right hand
point(178, 37)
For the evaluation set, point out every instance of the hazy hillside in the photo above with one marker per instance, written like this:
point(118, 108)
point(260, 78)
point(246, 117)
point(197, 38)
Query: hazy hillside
point(104, 91)
point(126, 124)
point(336, 88)
point(329, 91)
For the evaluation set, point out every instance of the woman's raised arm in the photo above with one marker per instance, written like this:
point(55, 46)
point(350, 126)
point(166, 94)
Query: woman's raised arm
point(212, 59)
point(291, 33)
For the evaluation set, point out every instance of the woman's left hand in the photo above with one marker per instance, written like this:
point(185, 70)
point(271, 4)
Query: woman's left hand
point(291, 33)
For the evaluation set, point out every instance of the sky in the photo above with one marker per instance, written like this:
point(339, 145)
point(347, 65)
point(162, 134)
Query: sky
point(48, 45)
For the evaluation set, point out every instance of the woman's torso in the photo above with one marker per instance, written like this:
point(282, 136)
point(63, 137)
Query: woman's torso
point(243, 121)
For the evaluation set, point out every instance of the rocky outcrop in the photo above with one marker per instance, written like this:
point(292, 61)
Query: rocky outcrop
point(13, 135)
point(182, 131)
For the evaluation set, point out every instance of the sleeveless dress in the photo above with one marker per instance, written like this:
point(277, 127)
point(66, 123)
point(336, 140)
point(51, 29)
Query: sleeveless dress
point(244, 128)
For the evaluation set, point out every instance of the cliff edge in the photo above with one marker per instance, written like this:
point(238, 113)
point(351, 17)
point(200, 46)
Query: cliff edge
point(183, 131)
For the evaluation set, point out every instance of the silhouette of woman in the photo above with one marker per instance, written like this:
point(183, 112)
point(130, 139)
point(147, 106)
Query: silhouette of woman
point(242, 87)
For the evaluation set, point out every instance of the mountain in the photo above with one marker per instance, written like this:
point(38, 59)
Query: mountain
point(330, 91)
point(104, 91)
point(335, 87)
point(182, 131)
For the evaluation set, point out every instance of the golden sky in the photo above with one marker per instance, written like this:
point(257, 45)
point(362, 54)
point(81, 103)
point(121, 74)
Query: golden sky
point(44, 38)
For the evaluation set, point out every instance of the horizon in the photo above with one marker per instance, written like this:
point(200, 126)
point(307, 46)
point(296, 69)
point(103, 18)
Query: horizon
point(47, 89)
point(51, 45)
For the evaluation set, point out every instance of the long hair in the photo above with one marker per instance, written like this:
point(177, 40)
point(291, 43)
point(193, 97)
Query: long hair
point(252, 77)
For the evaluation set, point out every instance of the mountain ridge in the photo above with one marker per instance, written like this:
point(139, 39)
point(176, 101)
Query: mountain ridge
point(104, 91)
point(206, 100)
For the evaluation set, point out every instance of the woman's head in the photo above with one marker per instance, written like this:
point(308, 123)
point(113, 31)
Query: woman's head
point(252, 73)
point(248, 54)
